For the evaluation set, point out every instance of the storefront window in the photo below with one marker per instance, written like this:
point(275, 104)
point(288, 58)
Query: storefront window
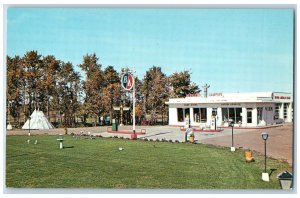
point(249, 115)
point(203, 115)
point(180, 115)
point(225, 114)
point(214, 112)
point(277, 109)
point(187, 113)
point(238, 115)
point(196, 114)
point(232, 114)
point(285, 107)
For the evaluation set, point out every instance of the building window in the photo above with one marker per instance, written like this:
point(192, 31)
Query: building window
point(232, 114)
point(214, 112)
point(277, 110)
point(180, 114)
point(238, 115)
point(196, 114)
point(200, 115)
point(187, 113)
point(225, 114)
point(285, 107)
point(249, 115)
point(203, 115)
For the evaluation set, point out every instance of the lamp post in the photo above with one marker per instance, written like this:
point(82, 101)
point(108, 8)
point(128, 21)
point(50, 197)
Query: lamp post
point(265, 175)
point(232, 148)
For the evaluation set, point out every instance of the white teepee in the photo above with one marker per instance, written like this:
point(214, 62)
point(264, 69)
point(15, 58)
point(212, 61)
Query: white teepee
point(37, 121)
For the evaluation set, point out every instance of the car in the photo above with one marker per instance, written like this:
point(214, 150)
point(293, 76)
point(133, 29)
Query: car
point(279, 121)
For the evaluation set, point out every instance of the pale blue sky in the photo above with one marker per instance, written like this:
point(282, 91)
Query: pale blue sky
point(243, 50)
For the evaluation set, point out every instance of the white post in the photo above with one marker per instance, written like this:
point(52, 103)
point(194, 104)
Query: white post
point(289, 112)
point(192, 115)
point(60, 145)
point(254, 116)
point(244, 116)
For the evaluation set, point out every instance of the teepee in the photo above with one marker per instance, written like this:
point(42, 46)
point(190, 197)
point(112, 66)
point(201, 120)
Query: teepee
point(37, 121)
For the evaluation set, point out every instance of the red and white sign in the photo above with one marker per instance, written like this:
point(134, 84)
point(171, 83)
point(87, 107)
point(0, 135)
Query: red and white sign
point(127, 81)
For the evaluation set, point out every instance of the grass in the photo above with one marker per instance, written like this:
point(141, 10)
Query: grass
point(98, 163)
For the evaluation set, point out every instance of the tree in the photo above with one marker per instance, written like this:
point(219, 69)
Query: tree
point(155, 90)
point(92, 87)
point(14, 87)
point(68, 91)
point(181, 85)
point(31, 65)
point(111, 90)
point(47, 85)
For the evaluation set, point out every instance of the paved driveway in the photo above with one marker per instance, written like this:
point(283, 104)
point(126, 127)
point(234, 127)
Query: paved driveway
point(279, 144)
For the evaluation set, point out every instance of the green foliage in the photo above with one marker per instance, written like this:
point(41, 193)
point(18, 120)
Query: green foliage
point(181, 84)
point(53, 86)
point(98, 163)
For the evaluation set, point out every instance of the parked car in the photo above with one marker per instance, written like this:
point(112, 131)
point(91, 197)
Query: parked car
point(279, 121)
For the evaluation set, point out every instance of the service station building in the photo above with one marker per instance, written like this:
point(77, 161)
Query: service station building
point(244, 109)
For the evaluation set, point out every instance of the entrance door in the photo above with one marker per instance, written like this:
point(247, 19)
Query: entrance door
point(259, 115)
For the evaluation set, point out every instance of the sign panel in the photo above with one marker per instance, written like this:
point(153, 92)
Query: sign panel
point(127, 81)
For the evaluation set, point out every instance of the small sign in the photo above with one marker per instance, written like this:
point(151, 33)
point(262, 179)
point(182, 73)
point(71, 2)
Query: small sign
point(127, 81)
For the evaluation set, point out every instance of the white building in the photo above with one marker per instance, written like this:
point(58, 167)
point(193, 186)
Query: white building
point(244, 109)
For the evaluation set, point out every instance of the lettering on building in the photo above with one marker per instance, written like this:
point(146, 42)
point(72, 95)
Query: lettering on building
point(230, 104)
point(282, 97)
point(193, 95)
point(216, 94)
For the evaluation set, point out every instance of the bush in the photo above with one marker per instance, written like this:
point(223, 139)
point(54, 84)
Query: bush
point(145, 139)
point(157, 140)
point(115, 136)
point(176, 141)
point(150, 140)
point(170, 141)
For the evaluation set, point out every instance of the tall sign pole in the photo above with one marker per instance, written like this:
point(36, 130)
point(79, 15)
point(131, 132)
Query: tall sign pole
point(133, 113)
point(127, 82)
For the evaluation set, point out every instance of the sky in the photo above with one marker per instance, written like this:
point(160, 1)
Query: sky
point(232, 50)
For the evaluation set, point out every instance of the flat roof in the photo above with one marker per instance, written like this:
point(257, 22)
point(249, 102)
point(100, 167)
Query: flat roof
point(254, 97)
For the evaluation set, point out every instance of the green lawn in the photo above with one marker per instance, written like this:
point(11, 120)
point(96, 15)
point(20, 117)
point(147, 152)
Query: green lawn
point(98, 163)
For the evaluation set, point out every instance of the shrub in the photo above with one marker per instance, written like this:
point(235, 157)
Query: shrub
point(170, 141)
point(150, 140)
point(145, 139)
point(157, 140)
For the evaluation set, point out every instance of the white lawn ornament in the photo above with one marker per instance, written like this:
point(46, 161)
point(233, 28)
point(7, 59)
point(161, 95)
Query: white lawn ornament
point(28, 141)
point(121, 149)
point(28, 133)
point(35, 142)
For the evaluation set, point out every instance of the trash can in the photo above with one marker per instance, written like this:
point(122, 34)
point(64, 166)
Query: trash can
point(114, 126)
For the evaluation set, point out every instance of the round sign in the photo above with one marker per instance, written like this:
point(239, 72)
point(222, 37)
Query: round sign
point(127, 81)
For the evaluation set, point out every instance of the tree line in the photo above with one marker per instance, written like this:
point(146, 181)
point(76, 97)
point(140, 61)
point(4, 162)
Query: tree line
point(68, 97)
